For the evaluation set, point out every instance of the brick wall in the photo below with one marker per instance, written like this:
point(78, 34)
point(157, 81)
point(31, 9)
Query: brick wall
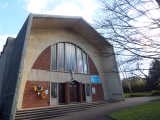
point(44, 60)
point(92, 67)
point(30, 98)
point(98, 96)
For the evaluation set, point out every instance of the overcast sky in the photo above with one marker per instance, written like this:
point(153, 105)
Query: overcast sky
point(14, 12)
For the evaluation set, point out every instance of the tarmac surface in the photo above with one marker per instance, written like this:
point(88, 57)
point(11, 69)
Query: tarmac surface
point(101, 113)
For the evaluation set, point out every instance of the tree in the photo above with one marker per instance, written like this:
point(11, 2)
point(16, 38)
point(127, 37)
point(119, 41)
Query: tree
point(133, 29)
point(134, 84)
point(154, 75)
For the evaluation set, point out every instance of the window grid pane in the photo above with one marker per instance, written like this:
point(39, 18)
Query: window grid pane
point(54, 57)
point(54, 90)
point(70, 58)
point(84, 62)
point(60, 57)
point(79, 61)
point(88, 70)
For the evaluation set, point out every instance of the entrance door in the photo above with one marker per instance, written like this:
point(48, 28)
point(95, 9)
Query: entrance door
point(61, 93)
point(74, 92)
point(83, 93)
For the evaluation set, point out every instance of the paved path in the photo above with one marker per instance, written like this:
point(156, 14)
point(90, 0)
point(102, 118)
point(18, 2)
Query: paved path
point(100, 112)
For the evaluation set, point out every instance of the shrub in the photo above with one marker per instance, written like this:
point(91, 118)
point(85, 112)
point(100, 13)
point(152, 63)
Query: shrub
point(140, 94)
point(155, 92)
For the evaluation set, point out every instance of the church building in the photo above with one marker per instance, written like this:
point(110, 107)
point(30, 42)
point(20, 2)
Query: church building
point(57, 60)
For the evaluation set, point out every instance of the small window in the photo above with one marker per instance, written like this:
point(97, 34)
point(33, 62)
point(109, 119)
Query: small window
point(54, 90)
point(88, 89)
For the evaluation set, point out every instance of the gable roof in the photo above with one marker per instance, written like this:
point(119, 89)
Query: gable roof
point(77, 24)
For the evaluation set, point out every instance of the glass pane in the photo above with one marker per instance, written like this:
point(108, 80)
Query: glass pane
point(88, 89)
point(67, 57)
point(54, 56)
point(70, 57)
point(73, 58)
point(88, 70)
point(54, 90)
point(79, 61)
point(85, 63)
point(60, 56)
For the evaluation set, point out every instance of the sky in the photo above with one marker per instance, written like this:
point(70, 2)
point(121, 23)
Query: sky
point(14, 12)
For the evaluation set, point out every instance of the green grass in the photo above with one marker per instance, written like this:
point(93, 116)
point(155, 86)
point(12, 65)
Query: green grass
point(148, 111)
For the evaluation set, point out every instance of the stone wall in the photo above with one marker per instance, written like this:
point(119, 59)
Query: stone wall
point(40, 39)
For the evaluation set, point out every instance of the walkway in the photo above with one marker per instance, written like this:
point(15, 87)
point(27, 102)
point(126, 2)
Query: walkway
point(100, 112)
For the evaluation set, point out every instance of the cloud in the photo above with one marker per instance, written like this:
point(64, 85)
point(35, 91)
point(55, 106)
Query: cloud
point(36, 6)
point(3, 39)
point(83, 8)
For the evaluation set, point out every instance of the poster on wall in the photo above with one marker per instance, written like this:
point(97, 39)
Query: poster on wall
point(95, 79)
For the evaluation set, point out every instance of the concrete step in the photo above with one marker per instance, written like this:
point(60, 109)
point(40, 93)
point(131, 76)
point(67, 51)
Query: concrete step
point(51, 112)
point(59, 107)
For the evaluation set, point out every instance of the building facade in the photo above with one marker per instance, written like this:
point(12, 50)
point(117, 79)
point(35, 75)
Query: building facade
point(57, 60)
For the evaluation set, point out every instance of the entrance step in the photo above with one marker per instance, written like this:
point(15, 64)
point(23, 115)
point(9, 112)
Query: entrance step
point(51, 112)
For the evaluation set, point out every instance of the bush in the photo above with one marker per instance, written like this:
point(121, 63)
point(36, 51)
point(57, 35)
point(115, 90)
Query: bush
point(140, 94)
point(155, 92)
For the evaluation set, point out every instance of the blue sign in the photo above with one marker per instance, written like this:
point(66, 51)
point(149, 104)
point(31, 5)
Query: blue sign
point(95, 79)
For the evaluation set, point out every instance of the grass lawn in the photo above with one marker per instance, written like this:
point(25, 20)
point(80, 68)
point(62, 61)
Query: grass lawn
point(148, 111)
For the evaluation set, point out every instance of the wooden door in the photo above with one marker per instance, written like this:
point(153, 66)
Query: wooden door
point(74, 92)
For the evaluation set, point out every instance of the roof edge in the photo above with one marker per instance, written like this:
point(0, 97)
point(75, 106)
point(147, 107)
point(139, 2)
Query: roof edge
point(5, 45)
point(33, 15)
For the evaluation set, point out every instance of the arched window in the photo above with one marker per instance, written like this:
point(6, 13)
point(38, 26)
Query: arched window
point(69, 57)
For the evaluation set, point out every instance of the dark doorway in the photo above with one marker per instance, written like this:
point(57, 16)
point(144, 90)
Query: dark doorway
point(74, 91)
point(83, 93)
point(61, 93)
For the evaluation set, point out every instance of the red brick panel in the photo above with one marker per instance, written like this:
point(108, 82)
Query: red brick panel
point(67, 93)
point(80, 93)
point(92, 67)
point(98, 96)
point(44, 60)
point(31, 99)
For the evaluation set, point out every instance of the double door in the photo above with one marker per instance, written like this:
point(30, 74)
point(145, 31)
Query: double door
point(74, 92)
point(62, 93)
